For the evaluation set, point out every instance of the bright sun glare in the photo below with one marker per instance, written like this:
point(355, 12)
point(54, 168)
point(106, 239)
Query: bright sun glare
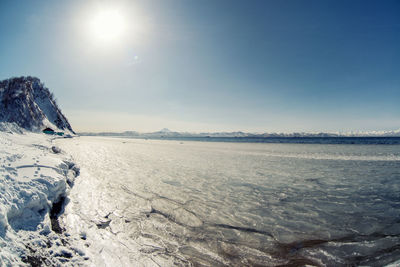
point(108, 26)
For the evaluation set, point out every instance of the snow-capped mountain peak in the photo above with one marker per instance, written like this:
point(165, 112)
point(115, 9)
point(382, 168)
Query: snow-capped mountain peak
point(165, 130)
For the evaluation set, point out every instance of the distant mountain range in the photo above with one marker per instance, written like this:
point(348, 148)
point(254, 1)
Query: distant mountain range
point(171, 134)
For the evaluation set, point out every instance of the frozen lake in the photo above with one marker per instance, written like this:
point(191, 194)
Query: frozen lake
point(159, 202)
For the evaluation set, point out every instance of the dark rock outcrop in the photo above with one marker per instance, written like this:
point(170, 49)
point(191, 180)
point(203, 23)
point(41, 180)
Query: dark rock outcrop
point(26, 102)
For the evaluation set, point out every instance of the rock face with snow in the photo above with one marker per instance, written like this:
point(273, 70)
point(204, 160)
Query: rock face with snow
point(26, 102)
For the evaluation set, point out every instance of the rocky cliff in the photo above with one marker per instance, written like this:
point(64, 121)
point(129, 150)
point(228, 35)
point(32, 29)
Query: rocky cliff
point(26, 102)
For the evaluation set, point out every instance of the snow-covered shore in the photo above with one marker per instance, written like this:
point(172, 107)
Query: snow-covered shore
point(35, 178)
point(168, 203)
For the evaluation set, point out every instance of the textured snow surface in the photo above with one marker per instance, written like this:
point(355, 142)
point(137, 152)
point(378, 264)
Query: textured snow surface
point(173, 203)
point(33, 177)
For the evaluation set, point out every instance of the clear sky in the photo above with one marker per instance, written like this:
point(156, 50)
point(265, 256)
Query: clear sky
point(211, 65)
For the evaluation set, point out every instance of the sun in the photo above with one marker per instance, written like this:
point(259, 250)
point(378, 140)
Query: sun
point(107, 26)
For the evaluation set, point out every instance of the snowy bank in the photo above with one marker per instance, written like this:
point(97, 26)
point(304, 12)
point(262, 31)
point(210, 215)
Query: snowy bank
point(35, 178)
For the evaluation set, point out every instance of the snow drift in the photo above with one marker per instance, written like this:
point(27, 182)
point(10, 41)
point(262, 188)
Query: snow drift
point(26, 102)
point(35, 178)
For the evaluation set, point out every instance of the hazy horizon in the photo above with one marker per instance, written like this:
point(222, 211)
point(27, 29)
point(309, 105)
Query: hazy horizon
point(372, 133)
point(209, 66)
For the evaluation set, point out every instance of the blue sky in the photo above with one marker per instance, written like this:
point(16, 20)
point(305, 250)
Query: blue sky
point(265, 66)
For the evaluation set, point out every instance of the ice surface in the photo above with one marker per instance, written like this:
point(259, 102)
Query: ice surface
point(167, 203)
